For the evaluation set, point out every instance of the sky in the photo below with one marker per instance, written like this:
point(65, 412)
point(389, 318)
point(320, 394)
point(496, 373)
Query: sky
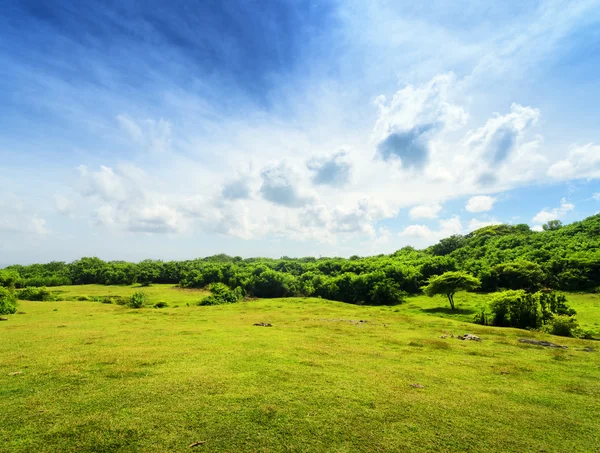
point(138, 129)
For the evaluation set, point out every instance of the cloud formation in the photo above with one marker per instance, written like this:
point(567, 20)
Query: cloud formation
point(480, 203)
point(425, 211)
point(545, 215)
point(334, 170)
point(582, 162)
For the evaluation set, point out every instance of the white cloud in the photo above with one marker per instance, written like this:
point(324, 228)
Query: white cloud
point(447, 227)
point(18, 220)
point(425, 211)
point(153, 135)
point(545, 215)
point(596, 196)
point(334, 170)
point(475, 224)
point(280, 185)
point(104, 183)
point(480, 203)
point(64, 205)
point(582, 162)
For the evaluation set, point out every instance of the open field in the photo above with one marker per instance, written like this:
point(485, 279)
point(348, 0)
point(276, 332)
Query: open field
point(166, 292)
point(103, 378)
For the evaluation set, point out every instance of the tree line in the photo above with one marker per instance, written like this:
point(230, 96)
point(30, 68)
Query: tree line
point(509, 257)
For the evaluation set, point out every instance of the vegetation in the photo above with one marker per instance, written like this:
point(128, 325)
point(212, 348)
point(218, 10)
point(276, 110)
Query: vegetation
point(8, 301)
point(449, 283)
point(100, 377)
point(138, 300)
point(501, 256)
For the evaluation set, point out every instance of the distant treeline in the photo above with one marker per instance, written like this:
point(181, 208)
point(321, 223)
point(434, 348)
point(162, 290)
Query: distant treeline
point(501, 256)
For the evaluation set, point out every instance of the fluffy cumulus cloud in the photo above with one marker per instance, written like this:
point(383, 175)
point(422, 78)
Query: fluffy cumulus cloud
point(238, 189)
point(430, 211)
point(545, 215)
point(447, 227)
point(501, 152)
point(280, 186)
point(413, 118)
point(481, 203)
point(128, 201)
point(332, 170)
point(581, 162)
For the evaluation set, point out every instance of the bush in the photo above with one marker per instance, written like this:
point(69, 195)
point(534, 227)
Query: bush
point(161, 304)
point(8, 301)
point(137, 300)
point(222, 294)
point(562, 325)
point(517, 308)
point(36, 294)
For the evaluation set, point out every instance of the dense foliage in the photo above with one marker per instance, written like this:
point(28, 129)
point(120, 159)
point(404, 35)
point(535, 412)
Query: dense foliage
point(8, 301)
point(502, 257)
point(523, 310)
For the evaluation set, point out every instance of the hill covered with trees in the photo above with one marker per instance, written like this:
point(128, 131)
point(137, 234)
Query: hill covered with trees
point(501, 256)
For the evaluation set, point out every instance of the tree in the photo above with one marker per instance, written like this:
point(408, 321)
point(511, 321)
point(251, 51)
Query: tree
point(552, 225)
point(449, 283)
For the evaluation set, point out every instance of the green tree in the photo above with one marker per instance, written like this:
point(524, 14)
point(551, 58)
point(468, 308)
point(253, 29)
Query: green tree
point(552, 225)
point(449, 283)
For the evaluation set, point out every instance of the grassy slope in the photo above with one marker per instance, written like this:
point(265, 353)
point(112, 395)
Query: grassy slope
point(99, 377)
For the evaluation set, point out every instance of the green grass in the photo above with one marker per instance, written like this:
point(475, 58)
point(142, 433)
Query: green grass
point(467, 304)
point(169, 293)
point(105, 378)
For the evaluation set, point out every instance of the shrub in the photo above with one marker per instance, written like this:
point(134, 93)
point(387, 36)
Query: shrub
point(517, 308)
point(561, 325)
point(222, 294)
point(36, 294)
point(138, 300)
point(161, 304)
point(108, 300)
point(8, 301)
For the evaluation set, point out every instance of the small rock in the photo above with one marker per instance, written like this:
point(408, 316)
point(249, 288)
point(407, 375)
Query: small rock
point(263, 324)
point(15, 373)
point(443, 337)
point(417, 386)
point(542, 343)
point(3, 319)
point(469, 336)
point(588, 349)
point(503, 372)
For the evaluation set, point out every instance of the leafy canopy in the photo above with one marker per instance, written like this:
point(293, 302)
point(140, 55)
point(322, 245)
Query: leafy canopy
point(449, 283)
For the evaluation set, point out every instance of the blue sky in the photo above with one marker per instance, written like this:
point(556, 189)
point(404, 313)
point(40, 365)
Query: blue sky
point(132, 130)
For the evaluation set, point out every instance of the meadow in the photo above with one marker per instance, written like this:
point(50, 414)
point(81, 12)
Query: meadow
point(85, 376)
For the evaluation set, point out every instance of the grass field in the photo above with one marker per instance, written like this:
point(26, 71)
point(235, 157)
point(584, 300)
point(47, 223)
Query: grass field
point(169, 293)
point(104, 378)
